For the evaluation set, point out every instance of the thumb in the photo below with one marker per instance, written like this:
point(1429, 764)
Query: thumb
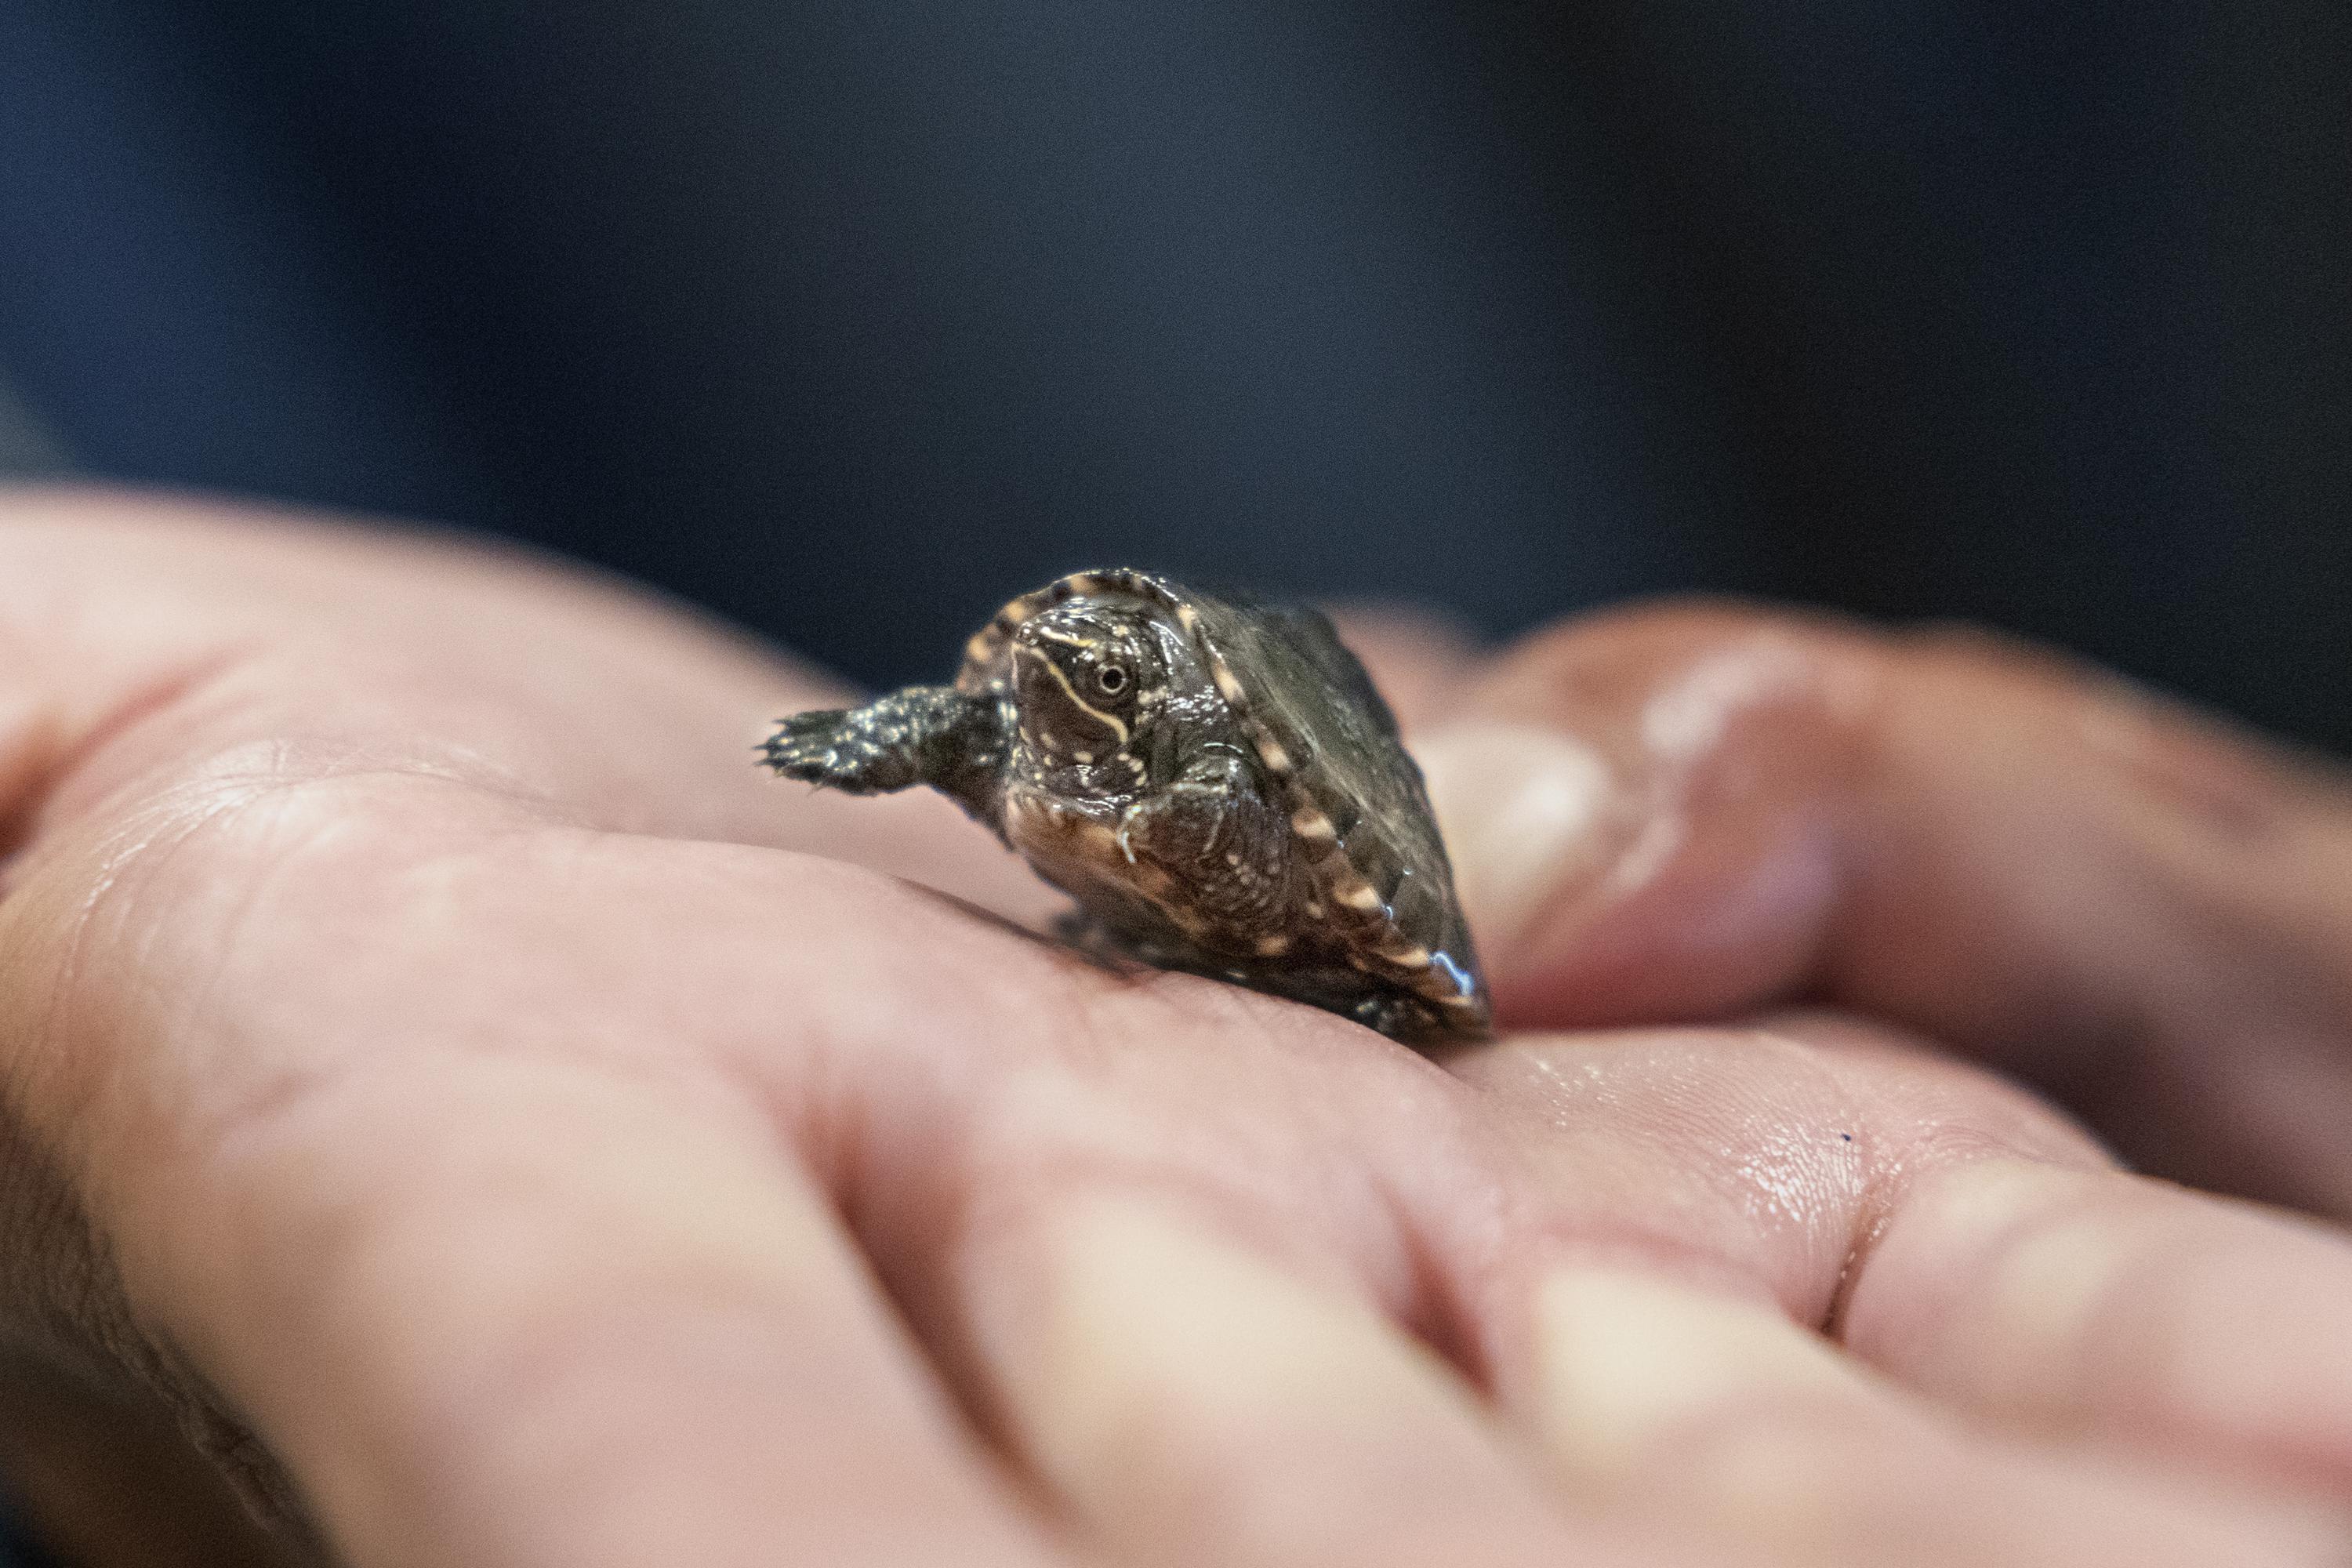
point(1687, 811)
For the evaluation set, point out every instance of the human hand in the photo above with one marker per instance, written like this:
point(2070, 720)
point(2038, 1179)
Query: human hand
point(1685, 812)
point(432, 1048)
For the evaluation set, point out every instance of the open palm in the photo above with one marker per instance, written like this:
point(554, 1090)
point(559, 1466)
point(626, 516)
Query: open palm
point(516, 1131)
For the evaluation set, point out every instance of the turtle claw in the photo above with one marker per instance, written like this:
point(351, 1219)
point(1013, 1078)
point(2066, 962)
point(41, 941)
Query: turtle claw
point(806, 746)
point(846, 749)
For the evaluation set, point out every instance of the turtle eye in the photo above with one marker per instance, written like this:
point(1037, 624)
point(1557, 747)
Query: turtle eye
point(1111, 679)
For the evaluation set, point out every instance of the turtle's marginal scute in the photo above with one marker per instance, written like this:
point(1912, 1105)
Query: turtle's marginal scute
point(1232, 798)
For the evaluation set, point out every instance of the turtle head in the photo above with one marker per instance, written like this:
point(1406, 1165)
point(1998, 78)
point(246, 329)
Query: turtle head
point(1088, 682)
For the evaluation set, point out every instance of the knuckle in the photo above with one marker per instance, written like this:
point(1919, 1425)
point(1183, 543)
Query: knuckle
point(1944, 651)
point(1659, 627)
point(1695, 690)
point(1683, 660)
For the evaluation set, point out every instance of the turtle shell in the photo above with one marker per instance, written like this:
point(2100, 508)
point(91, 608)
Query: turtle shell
point(1328, 746)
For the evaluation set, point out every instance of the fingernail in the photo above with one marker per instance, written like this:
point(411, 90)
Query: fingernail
point(1525, 813)
point(1626, 1362)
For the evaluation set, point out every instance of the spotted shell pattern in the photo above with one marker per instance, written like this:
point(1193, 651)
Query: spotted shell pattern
point(1359, 812)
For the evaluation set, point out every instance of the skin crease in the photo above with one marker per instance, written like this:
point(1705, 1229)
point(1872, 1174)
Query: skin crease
point(513, 1131)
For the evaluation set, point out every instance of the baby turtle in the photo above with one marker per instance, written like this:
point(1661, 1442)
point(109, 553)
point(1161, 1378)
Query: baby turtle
point(1216, 782)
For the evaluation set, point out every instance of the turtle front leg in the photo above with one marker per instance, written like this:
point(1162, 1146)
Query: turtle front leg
point(931, 735)
point(1222, 844)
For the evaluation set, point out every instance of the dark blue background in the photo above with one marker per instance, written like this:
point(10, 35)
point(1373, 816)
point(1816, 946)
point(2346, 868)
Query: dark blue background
point(853, 319)
point(18, 1549)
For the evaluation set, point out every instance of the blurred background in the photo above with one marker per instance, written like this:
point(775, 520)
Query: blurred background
point(853, 319)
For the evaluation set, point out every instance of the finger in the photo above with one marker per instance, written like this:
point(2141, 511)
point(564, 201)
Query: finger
point(1195, 1403)
point(138, 633)
point(1670, 1400)
point(1275, 1475)
point(1717, 1196)
point(1164, 1374)
point(1689, 811)
point(2075, 1303)
point(497, 1282)
point(619, 1338)
point(1141, 1219)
